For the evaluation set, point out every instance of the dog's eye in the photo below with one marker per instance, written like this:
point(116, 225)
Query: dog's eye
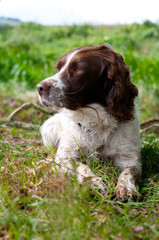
point(78, 69)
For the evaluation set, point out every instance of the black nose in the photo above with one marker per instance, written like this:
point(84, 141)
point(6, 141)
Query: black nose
point(43, 87)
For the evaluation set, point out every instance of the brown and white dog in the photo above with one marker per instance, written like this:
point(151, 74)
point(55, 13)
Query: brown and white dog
point(97, 115)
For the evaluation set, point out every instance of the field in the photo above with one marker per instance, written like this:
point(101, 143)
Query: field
point(34, 202)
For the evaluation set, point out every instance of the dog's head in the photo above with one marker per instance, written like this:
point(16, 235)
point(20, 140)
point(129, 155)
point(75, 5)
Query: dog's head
point(91, 74)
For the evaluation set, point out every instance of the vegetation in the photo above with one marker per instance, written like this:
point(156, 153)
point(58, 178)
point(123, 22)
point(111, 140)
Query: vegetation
point(36, 203)
point(28, 53)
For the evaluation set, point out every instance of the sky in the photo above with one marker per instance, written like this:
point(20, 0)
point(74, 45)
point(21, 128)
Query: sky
point(67, 12)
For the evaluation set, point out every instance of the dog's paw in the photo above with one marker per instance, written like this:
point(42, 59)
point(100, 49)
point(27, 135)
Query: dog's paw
point(126, 191)
point(97, 183)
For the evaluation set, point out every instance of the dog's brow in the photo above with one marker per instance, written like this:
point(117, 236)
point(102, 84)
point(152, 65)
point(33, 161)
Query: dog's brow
point(69, 58)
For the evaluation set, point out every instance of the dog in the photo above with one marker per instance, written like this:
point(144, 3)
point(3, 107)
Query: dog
point(97, 116)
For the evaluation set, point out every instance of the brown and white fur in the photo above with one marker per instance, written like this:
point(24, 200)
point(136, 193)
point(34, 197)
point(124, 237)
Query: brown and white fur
point(97, 115)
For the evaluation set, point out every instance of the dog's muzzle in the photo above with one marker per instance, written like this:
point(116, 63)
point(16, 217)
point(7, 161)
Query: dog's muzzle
point(50, 95)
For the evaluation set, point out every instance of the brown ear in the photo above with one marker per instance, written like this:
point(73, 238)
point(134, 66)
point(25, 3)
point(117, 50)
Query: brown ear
point(120, 99)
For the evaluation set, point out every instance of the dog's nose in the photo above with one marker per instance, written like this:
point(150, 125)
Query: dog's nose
point(43, 87)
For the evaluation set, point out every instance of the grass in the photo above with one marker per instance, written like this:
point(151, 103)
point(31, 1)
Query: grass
point(36, 203)
point(28, 53)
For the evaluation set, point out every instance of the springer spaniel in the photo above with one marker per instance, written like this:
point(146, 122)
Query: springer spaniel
point(92, 88)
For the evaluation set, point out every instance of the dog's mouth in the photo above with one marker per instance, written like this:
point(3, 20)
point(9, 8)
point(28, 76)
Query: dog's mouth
point(53, 103)
point(44, 102)
point(57, 99)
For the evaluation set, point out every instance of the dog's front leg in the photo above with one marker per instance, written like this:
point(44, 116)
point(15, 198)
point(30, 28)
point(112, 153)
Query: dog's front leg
point(66, 163)
point(126, 184)
point(84, 174)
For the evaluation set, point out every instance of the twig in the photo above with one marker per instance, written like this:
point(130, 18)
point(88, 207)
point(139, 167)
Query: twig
point(26, 106)
point(9, 121)
point(149, 124)
point(149, 121)
point(154, 126)
point(4, 122)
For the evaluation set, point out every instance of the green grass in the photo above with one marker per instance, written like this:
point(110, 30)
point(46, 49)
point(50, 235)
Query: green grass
point(28, 54)
point(36, 203)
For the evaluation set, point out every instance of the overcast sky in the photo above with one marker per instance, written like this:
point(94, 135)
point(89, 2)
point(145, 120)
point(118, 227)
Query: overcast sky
point(61, 12)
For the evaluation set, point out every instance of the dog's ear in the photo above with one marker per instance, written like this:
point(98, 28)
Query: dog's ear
point(121, 94)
